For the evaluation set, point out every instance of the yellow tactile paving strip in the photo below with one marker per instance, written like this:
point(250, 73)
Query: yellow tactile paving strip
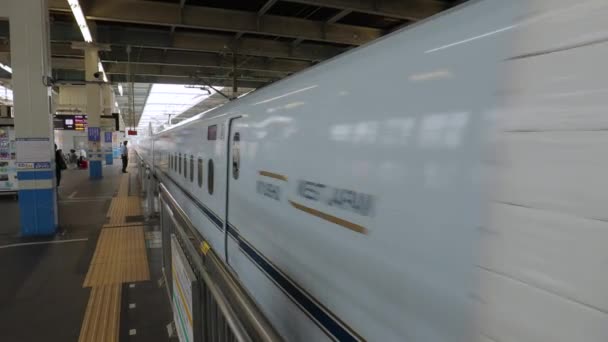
point(102, 316)
point(121, 207)
point(120, 257)
point(123, 188)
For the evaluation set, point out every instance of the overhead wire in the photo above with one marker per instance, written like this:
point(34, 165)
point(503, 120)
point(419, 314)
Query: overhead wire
point(248, 58)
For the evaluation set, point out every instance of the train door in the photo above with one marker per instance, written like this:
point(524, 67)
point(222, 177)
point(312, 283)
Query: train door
point(233, 166)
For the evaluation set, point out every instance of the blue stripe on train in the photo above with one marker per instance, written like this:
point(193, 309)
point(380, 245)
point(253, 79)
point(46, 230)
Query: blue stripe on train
point(317, 313)
point(232, 231)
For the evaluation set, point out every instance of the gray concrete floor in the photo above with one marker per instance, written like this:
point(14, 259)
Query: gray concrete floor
point(81, 203)
point(41, 293)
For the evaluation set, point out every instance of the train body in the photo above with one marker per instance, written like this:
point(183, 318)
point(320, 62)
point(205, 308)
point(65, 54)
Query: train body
point(443, 183)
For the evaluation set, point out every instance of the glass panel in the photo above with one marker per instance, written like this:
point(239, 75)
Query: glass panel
point(236, 155)
point(200, 172)
point(185, 166)
point(191, 168)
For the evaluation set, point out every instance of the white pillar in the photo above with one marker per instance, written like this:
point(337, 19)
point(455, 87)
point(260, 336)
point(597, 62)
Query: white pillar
point(29, 33)
point(93, 91)
point(108, 100)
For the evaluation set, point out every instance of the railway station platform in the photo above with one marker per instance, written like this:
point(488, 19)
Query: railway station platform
point(98, 279)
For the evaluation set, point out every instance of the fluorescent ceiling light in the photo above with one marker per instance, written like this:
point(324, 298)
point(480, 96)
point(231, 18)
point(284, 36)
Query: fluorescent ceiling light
point(120, 88)
point(82, 23)
point(6, 67)
point(100, 69)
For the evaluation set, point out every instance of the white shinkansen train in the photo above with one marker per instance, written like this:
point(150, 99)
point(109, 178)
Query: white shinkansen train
point(444, 183)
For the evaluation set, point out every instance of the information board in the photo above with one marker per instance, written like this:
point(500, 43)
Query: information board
point(80, 122)
point(70, 122)
point(94, 133)
point(33, 150)
point(183, 283)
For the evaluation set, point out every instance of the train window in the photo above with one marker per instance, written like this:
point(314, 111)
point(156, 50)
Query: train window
point(185, 166)
point(212, 132)
point(200, 172)
point(180, 163)
point(170, 161)
point(175, 162)
point(236, 155)
point(191, 168)
point(210, 176)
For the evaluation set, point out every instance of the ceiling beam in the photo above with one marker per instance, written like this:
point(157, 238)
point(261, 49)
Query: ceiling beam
point(165, 70)
point(202, 42)
point(182, 58)
point(168, 70)
point(77, 77)
point(64, 57)
point(202, 59)
point(209, 18)
point(412, 10)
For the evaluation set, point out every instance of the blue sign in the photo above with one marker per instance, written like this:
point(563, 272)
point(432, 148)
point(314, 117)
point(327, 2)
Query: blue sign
point(43, 165)
point(108, 137)
point(37, 165)
point(94, 134)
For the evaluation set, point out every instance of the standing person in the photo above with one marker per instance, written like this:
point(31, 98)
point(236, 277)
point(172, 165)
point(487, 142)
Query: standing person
point(73, 158)
point(124, 152)
point(59, 164)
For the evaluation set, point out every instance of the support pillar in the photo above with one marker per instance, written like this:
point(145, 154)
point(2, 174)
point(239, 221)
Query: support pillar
point(29, 36)
point(108, 104)
point(108, 147)
point(94, 106)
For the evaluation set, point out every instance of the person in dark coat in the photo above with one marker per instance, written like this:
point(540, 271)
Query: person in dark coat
point(59, 164)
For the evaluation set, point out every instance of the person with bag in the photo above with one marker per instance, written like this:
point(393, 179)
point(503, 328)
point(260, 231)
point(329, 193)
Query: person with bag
point(60, 164)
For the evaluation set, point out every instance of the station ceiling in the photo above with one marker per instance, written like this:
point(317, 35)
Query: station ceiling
point(201, 41)
point(189, 41)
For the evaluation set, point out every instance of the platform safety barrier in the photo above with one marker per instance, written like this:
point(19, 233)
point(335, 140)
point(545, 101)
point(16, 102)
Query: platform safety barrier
point(198, 280)
point(149, 188)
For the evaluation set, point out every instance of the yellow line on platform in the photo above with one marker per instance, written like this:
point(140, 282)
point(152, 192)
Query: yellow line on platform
point(121, 207)
point(123, 188)
point(102, 315)
point(120, 257)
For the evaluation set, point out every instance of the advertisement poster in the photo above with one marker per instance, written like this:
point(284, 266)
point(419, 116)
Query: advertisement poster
point(8, 171)
point(33, 150)
point(94, 135)
point(183, 281)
